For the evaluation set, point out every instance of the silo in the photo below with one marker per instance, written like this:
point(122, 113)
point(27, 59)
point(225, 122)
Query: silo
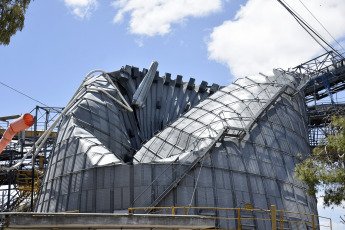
point(186, 145)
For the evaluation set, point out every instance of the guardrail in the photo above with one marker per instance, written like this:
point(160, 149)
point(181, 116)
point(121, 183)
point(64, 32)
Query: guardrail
point(276, 217)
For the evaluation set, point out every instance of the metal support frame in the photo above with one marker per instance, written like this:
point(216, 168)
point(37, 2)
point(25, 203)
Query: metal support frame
point(320, 65)
point(44, 116)
point(327, 87)
point(321, 77)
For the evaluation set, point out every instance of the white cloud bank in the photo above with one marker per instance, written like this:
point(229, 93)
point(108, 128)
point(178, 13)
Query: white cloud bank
point(155, 17)
point(82, 8)
point(264, 36)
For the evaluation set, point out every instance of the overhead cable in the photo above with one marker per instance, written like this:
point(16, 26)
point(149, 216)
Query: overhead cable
point(24, 94)
point(309, 29)
point(322, 25)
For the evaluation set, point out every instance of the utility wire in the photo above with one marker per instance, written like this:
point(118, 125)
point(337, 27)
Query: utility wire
point(24, 94)
point(311, 30)
point(302, 23)
point(308, 28)
point(321, 25)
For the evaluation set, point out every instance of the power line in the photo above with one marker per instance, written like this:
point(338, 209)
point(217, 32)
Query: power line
point(314, 34)
point(308, 28)
point(24, 94)
point(321, 25)
point(303, 23)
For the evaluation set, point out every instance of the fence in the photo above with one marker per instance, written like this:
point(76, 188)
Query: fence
point(276, 217)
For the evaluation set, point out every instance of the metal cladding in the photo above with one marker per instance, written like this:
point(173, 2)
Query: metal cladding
point(190, 145)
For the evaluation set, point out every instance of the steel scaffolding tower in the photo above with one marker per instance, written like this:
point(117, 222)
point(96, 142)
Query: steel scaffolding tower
point(19, 186)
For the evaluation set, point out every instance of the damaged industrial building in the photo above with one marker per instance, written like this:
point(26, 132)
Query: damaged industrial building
point(135, 140)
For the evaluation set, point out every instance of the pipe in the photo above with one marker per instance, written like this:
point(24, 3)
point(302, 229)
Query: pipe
point(22, 123)
point(127, 107)
point(140, 94)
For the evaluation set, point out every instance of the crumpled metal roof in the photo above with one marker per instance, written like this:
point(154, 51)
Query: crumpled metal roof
point(234, 107)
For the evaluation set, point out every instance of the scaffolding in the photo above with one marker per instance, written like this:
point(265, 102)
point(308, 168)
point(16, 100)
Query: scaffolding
point(326, 74)
point(19, 188)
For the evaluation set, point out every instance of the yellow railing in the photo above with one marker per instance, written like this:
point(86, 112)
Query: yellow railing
point(272, 213)
point(74, 211)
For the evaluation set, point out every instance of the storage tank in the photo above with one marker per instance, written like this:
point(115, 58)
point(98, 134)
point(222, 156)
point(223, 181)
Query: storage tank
point(186, 145)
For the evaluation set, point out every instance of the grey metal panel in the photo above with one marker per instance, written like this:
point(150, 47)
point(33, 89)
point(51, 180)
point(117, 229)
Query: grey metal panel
point(88, 180)
point(90, 201)
point(242, 198)
point(157, 105)
point(168, 201)
point(271, 187)
point(281, 173)
point(257, 136)
point(174, 105)
point(266, 169)
point(184, 196)
point(170, 94)
point(124, 180)
point(99, 178)
point(72, 203)
point(240, 181)
point(262, 153)
point(83, 202)
point(251, 165)
point(248, 149)
point(218, 158)
point(118, 199)
point(52, 206)
point(142, 196)
point(204, 196)
point(260, 201)
point(102, 200)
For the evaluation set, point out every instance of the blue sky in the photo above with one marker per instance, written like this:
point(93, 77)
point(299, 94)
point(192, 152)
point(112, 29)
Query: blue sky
point(212, 40)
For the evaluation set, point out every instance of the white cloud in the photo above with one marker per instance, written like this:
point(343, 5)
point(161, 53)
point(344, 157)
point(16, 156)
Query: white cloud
point(264, 36)
point(155, 17)
point(82, 8)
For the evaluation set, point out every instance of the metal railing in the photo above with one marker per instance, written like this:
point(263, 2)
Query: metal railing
point(276, 217)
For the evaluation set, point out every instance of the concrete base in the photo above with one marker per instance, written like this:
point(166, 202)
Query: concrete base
point(55, 221)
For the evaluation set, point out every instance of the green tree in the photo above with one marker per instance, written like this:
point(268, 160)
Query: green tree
point(325, 168)
point(12, 16)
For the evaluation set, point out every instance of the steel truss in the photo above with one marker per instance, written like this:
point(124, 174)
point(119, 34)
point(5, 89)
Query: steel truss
point(325, 76)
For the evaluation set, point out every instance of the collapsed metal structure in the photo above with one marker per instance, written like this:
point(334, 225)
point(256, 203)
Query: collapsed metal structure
point(183, 145)
point(131, 138)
